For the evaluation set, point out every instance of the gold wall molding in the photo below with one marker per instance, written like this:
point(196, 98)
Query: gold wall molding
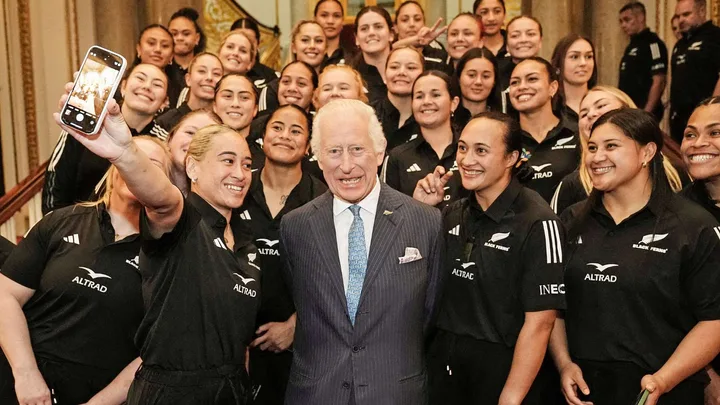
point(218, 16)
point(28, 82)
point(73, 40)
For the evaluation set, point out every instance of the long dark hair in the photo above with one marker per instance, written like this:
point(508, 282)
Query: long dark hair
point(641, 127)
point(553, 75)
point(480, 53)
point(192, 15)
point(313, 73)
point(477, 4)
point(317, 6)
point(308, 118)
point(558, 61)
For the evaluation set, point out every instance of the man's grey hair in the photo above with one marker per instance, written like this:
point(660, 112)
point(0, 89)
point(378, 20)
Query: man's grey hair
point(337, 110)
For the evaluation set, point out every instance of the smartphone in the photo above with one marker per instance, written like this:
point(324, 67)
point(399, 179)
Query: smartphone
point(642, 398)
point(100, 74)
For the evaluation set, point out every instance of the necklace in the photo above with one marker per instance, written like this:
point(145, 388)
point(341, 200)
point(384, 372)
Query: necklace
point(283, 199)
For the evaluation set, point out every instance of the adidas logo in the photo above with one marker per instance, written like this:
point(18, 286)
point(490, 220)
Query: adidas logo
point(72, 239)
point(219, 243)
point(455, 231)
point(717, 231)
point(135, 262)
point(413, 168)
point(245, 215)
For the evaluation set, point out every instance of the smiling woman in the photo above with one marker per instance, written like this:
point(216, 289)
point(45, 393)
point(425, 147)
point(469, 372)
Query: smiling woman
point(373, 35)
point(574, 59)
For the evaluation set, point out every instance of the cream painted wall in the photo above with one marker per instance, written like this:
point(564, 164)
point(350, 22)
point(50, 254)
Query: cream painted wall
point(266, 12)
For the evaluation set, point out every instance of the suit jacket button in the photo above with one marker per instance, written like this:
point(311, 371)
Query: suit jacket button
point(346, 385)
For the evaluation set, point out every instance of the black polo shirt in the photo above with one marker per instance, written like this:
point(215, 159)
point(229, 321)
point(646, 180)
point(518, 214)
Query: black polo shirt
point(6, 247)
point(569, 191)
point(697, 193)
point(695, 67)
point(201, 298)
point(376, 88)
point(268, 98)
point(170, 118)
point(505, 69)
point(341, 56)
point(645, 56)
point(389, 118)
point(437, 58)
point(261, 75)
point(549, 161)
point(500, 264)
point(87, 303)
point(411, 162)
point(635, 289)
point(276, 304)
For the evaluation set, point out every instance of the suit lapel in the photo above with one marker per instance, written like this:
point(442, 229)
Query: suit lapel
point(387, 221)
point(323, 228)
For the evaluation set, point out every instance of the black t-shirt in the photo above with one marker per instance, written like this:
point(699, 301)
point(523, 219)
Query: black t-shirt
point(549, 161)
point(500, 264)
point(409, 163)
point(568, 192)
point(201, 298)
point(176, 82)
point(268, 98)
point(645, 57)
point(635, 289)
point(87, 303)
point(6, 247)
point(389, 118)
point(276, 304)
point(697, 193)
point(170, 118)
point(376, 88)
point(505, 69)
point(695, 67)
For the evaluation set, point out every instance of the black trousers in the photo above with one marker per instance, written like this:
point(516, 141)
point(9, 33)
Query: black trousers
point(463, 370)
point(226, 385)
point(613, 383)
point(269, 373)
point(71, 383)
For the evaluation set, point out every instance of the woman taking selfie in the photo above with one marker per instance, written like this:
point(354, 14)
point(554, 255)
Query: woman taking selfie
point(73, 173)
point(197, 265)
point(505, 268)
point(70, 295)
point(641, 278)
point(279, 187)
point(432, 105)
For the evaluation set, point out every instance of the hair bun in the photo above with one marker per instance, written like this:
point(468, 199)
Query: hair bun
point(188, 12)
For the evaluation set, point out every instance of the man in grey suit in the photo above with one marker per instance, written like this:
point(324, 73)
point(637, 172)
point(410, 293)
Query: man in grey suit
point(364, 269)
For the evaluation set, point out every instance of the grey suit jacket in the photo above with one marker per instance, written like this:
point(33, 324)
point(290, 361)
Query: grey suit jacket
point(381, 359)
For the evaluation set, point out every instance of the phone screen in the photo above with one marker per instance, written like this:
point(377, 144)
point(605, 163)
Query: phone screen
point(92, 89)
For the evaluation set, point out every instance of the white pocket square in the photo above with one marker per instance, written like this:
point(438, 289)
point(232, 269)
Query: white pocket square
point(411, 255)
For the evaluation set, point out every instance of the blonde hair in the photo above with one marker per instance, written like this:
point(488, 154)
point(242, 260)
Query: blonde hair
point(202, 141)
point(109, 184)
point(294, 33)
point(670, 171)
point(239, 31)
point(357, 78)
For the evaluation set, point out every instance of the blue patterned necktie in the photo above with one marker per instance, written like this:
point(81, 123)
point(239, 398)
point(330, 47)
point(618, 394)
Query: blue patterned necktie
point(357, 260)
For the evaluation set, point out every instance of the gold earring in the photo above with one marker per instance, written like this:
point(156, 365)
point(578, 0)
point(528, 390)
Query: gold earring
point(644, 164)
point(194, 180)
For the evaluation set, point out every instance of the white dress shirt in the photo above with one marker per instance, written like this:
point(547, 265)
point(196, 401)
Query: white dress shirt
point(343, 218)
